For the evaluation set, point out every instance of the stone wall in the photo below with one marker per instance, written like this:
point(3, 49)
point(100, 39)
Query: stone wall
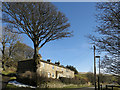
point(27, 65)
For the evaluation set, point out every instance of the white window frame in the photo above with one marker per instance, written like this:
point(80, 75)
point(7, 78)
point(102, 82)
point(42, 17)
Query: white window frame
point(67, 70)
point(49, 74)
point(57, 68)
point(52, 74)
point(53, 67)
point(43, 64)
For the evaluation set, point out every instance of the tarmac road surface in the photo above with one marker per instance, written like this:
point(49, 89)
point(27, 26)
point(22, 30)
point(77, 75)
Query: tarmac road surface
point(85, 88)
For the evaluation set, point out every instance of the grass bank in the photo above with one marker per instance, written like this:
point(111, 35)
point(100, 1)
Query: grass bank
point(64, 86)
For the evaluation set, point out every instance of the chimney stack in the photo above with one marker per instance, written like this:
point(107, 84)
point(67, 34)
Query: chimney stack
point(48, 60)
point(57, 63)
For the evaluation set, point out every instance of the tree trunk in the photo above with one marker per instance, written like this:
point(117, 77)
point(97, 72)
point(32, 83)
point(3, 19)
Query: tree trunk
point(36, 52)
point(3, 56)
point(36, 63)
point(10, 51)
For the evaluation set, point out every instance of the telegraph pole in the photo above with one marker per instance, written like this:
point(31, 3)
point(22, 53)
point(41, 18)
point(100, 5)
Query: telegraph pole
point(99, 73)
point(99, 76)
point(94, 69)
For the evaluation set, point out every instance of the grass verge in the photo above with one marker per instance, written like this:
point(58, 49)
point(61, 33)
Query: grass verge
point(76, 86)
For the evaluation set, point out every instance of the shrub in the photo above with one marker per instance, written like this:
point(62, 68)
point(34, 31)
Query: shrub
point(28, 78)
point(90, 77)
point(73, 80)
point(118, 80)
point(44, 82)
point(72, 68)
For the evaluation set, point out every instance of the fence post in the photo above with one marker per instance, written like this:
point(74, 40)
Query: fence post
point(101, 87)
point(106, 87)
point(112, 87)
point(98, 83)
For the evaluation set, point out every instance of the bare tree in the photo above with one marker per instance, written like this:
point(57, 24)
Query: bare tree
point(8, 41)
point(20, 51)
point(108, 28)
point(42, 22)
point(12, 49)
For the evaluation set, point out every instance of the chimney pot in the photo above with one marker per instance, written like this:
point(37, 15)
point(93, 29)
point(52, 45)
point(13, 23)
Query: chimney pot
point(48, 60)
point(57, 63)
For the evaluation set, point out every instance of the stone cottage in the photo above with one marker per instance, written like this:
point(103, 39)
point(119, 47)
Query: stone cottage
point(46, 68)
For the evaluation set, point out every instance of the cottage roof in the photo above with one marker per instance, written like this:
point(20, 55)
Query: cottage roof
point(46, 62)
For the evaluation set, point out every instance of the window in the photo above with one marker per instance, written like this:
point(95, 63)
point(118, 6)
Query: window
point(52, 74)
point(52, 67)
point(66, 70)
point(57, 68)
point(67, 76)
point(43, 64)
point(48, 75)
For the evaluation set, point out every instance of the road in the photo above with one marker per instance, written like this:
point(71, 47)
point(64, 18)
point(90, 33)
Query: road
point(85, 88)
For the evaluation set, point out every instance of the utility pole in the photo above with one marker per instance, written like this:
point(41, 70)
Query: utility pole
point(99, 76)
point(99, 66)
point(99, 73)
point(94, 68)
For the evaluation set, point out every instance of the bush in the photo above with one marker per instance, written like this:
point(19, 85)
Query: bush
point(118, 80)
point(73, 80)
point(28, 78)
point(72, 68)
point(44, 81)
point(90, 77)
